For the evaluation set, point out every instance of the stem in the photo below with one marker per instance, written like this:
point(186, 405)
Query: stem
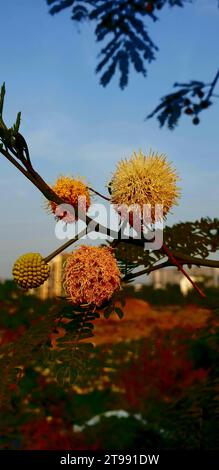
point(63, 247)
point(186, 259)
point(35, 179)
point(213, 84)
point(45, 189)
point(18, 166)
point(98, 194)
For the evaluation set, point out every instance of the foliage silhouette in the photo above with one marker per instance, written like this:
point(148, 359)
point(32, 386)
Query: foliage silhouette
point(122, 23)
point(192, 98)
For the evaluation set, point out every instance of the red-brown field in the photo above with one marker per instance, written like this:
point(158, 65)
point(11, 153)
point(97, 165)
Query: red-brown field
point(140, 320)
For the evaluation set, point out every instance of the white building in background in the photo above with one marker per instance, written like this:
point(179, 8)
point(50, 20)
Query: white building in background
point(137, 286)
point(162, 277)
point(186, 286)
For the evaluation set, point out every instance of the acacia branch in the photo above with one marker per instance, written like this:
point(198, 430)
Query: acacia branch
point(50, 195)
point(177, 259)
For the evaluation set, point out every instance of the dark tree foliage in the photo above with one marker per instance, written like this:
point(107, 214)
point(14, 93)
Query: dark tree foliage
point(120, 26)
point(191, 98)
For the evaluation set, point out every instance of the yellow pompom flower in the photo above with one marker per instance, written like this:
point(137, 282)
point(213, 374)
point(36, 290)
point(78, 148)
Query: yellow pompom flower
point(30, 270)
point(91, 275)
point(145, 180)
point(72, 191)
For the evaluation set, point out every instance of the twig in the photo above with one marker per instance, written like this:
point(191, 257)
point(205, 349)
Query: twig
point(66, 245)
point(98, 194)
point(179, 265)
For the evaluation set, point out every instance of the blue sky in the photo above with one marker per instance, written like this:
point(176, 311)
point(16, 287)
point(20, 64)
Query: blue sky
point(74, 126)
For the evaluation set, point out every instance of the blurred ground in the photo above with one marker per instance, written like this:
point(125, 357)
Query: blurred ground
point(141, 319)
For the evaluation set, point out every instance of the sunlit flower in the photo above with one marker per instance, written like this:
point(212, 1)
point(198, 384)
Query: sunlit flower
point(74, 192)
point(30, 270)
point(145, 180)
point(91, 275)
